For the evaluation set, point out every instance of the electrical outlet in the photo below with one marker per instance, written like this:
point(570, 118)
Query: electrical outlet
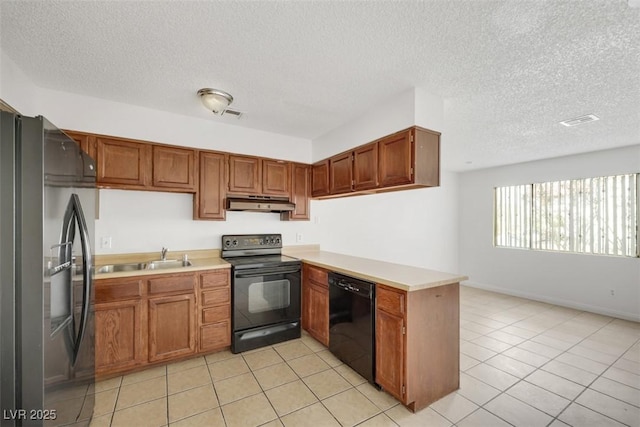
point(299, 237)
point(105, 242)
point(613, 292)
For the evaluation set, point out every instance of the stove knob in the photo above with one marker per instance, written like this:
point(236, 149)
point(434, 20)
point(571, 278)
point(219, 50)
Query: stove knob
point(277, 240)
point(235, 242)
point(227, 242)
point(261, 242)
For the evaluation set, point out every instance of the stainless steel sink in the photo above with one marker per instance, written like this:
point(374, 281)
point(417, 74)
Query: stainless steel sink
point(169, 263)
point(114, 268)
point(153, 265)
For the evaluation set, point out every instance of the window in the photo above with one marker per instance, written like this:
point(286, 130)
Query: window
point(592, 215)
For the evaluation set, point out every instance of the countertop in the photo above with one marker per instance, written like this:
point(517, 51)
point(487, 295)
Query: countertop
point(399, 276)
point(200, 260)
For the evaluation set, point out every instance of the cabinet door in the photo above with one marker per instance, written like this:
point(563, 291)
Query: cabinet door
point(245, 175)
point(123, 163)
point(172, 326)
point(276, 177)
point(341, 173)
point(210, 198)
point(365, 167)
point(318, 320)
point(120, 337)
point(300, 191)
point(174, 168)
point(86, 141)
point(390, 353)
point(395, 154)
point(320, 179)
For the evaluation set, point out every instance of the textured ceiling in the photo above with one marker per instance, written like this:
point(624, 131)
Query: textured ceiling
point(509, 71)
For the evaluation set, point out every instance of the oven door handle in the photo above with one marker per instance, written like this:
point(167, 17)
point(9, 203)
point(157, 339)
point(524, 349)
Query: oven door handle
point(266, 271)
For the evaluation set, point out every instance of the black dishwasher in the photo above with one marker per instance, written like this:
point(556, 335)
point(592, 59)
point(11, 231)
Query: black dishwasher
point(352, 323)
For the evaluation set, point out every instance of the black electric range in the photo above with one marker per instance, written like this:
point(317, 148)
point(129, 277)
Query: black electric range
point(265, 291)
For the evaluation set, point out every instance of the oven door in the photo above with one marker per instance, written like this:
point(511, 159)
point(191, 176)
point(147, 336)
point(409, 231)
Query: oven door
point(265, 296)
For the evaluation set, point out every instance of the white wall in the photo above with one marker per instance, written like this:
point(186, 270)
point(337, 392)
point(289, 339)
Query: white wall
point(141, 221)
point(580, 281)
point(415, 227)
point(15, 87)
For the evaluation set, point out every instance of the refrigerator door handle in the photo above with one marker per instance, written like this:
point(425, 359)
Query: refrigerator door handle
point(87, 274)
point(74, 214)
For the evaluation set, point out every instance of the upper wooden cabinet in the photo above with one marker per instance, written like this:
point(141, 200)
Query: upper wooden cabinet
point(276, 177)
point(138, 165)
point(403, 160)
point(122, 162)
point(174, 167)
point(86, 141)
point(320, 179)
point(300, 192)
point(341, 173)
point(245, 175)
point(209, 200)
point(365, 167)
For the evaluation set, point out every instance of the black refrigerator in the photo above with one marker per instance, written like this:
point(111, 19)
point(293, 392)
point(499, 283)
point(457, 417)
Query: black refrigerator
point(47, 214)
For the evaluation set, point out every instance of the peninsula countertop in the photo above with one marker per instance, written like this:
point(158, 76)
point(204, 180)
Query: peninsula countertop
point(399, 276)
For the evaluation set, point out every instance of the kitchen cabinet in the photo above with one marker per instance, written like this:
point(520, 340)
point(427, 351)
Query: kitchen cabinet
point(315, 302)
point(209, 200)
point(365, 167)
point(276, 177)
point(151, 319)
point(172, 316)
point(245, 175)
point(120, 325)
point(174, 168)
point(123, 163)
point(390, 343)
point(300, 192)
point(417, 343)
point(403, 160)
point(409, 157)
point(341, 173)
point(320, 179)
point(86, 141)
point(214, 319)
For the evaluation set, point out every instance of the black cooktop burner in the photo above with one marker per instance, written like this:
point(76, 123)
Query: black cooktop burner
point(243, 262)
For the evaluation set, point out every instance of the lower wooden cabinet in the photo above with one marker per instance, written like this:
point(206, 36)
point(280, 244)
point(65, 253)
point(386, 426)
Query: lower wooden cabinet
point(144, 320)
point(172, 329)
point(315, 303)
point(418, 343)
point(390, 342)
point(121, 338)
point(214, 319)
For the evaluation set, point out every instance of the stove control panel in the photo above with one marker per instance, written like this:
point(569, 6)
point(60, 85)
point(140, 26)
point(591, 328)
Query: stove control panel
point(251, 241)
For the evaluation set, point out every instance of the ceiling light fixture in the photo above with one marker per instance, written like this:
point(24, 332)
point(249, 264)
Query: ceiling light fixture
point(215, 100)
point(580, 120)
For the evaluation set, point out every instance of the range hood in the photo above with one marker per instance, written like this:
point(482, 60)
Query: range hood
point(259, 204)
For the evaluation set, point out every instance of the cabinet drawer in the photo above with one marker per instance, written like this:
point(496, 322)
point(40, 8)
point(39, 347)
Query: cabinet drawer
point(215, 335)
point(390, 301)
point(182, 284)
point(317, 275)
point(216, 314)
point(213, 280)
point(117, 290)
point(216, 296)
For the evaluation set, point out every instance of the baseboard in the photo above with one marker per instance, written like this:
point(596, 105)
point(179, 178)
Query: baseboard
point(634, 317)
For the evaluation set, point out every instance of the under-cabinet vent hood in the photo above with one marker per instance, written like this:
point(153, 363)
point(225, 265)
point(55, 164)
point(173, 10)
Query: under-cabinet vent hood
point(259, 204)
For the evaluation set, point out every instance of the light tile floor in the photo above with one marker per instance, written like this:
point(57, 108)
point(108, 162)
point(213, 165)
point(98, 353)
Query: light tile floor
point(523, 363)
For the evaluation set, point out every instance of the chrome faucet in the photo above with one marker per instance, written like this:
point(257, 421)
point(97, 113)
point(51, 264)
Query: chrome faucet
point(164, 253)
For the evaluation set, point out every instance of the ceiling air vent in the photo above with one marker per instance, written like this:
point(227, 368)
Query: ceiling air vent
point(232, 113)
point(580, 120)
